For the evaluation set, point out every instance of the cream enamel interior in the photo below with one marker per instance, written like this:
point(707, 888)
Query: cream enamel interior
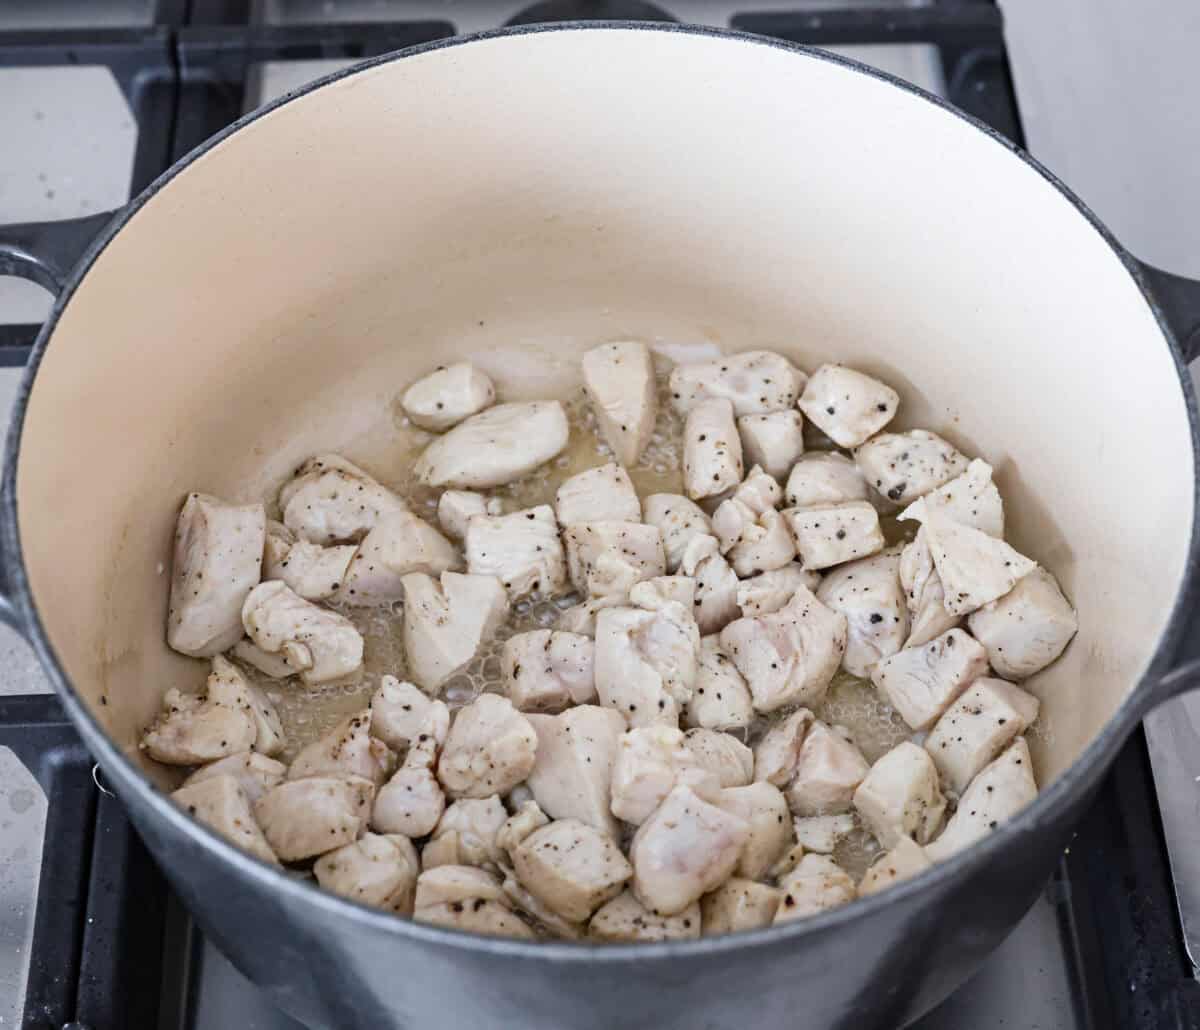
point(516, 200)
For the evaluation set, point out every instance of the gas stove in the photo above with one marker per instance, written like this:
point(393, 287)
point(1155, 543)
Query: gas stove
point(97, 99)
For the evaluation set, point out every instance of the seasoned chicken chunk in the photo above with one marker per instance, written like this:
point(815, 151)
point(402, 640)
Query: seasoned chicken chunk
point(277, 666)
point(970, 500)
point(455, 508)
point(720, 699)
point(397, 544)
point(922, 682)
point(466, 834)
point(217, 561)
point(679, 521)
point(606, 558)
point(757, 494)
point(712, 450)
point(818, 883)
point(905, 466)
point(526, 902)
point(821, 833)
point(571, 867)
point(254, 772)
point(412, 802)
point(522, 550)
point(496, 446)
point(581, 618)
point(398, 710)
point(378, 869)
point(769, 823)
point(1027, 628)
point(739, 905)
point(346, 750)
point(466, 899)
point(722, 755)
point(649, 762)
point(847, 406)
point(331, 501)
point(905, 860)
point(900, 796)
point(715, 603)
point(450, 884)
point(653, 594)
point(828, 772)
point(320, 644)
point(773, 441)
point(447, 395)
point(627, 919)
point(789, 656)
point(769, 591)
point(974, 568)
point(303, 818)
point(444, 623)
point(777, 754)
point(518, 826)
point(754, 382)
point(572, 770)
point(977, 727)
point(313, 571)
point(869, 594)
point(646, 662)
point(765, 546)
point(823, 477)
point(828, 535)
point(619, 381)
point(490, 749)
point(270, 738)
point(686, 848)
point(923, 593)
point(547, 670)
point(601, 494)
point(999, 792)
point(220, 803)
point(215, 723)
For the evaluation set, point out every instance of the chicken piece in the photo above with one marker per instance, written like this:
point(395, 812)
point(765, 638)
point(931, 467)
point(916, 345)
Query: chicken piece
point(321, 644)
point(571, 867)
point(490, 749)
point(869, 594)
point(466, 834)
point(522, 550)
point(828, 535)
point(905, 860)
point(769, 591)
point(754, 382)
point(303, 818)
point(1027, 628)
point(313, 571)
point(765, 546)
point(970, 500)
point(330, 501)
point(397, 544)
point(900, 796)
point(789, 656)
point(923, 593)
point(712, 450)
point(821, 833)
point(455, 508)
point(495, 447)
point(686, 848)
point(378, 870)
point(346, 750)
point(547, 670)
point(524, 901)
point(606, 558)
point(627, 919)
point(773, 441)
point(828, 772)
point(412, 802)
point(465, 898)
point(977, 727)
point(444, 623)
point(197, 728)
point(720, 699)
point(645, 662)
point(220, 804)
point(254, 772)
point(398, 710)
point(715, 603)
point(824, 478)
point(678, 521)
point(573, 767)
point(527, 818)
point(739, 905)
point(997, 793)
point(817, 884)
point(757, 494)
point(922, 682)
point(447, 395)
point(618, 379)
point(974, 568)
point(217, 561)
point(270, 738)
point(601, 494)
point(653, 594)
point(905, 466)
point(777, 754)
point(765, 811)
point(277, 666)
point(580, 618)
point(847, 406)
point(722, 755)
point(787, 863)
point(649, 762)
point(485, 917)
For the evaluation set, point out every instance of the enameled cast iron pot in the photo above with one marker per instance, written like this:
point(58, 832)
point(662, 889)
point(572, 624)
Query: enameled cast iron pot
point(515, 198)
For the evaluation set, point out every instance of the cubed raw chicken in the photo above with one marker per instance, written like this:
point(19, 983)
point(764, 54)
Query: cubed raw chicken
point(627, 919)
point(455, 508)
point(277, 666)
point(412, 801)
point(922, 682)
point(571, 867)
point(270, 738)
point(777, 754)
point(447, 395)
point(313, 571)
point(378, 870)
point(739, 905)
point(900, 796)
point(217, 561)
point(396, 545)
point(824, 477)
point(686, 848)
point(495, 447)
point(847, 406)
point(970, 500)
point(196, 728)
point(221, 804)
point(905, 466)
point(572, 770)
point(649, 762)
point(827, 535)
point(522, 550)
point(465, 898)
point(722, 755)
point(905, 860)
point(645, 662)
point(466, 834)
point(490, 749)
point(769, 591)
point(720, 699)
point(923, 593)
point(679, 521)
point(765, 811)
point(450, 885)
point(828, 772)
point(869, 594)
point(817, 884)
point(789, 656)
point(821, 833)
point(547, 670)
point(581, 618)
point(715, 603)
point(346, 750)
point(303, 818)
point(331, 500)
point(601, 494)
point(398, 710)
point(974, 568)
point(320, 644)
point(1027, 628)
point(518, 826)
point(255, 773)
point(757, 494)
point(765, 546)
point(607, 558)
point(712, 450)
point(618, 379)
point(773, 441)
point(999, 792)
point(444, 623)
point(653, 594)
point(533, 907)
point(754, 382)
point(977, 727)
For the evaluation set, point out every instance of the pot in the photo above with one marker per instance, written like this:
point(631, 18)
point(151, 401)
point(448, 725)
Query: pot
point(515, 198)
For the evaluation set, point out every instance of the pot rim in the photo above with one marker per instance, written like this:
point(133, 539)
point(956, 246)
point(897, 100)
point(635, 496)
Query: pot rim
point(1043, 812)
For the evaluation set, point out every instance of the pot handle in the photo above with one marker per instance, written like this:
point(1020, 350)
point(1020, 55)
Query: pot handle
point(46, 252)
